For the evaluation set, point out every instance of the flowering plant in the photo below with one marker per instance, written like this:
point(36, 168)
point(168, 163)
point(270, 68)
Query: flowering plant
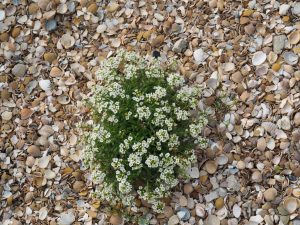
point(145, 127)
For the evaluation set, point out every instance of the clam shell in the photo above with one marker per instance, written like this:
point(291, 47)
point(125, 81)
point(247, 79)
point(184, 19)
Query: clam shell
point(45, 85)
point(296, 192)
point(272, 57)
point(67, 41)
point(290, 57)
point(63, 99)
point(259, 58)
point(294, 37)
point(290, 204)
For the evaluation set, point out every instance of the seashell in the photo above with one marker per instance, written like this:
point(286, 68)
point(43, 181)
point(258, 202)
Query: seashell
point(45, 85)
point(261, 144)
point(296, 192)
point(200, 56)
point(284, 123)
point(259, 58)
point(115, 220)
point(294, 37)
point(101, 28)
point(212, 220)
point(270, 194)
point(200, 210)
point(44, 161)
point(55, 72)
point(43, 212)
point(62, 8)
point(67, 41)
point(49, 174)
point(116, 42)
point(271, 144)
point(67, 218)
point(222, 213)
point(272, 57)
point(63, 99)
point(228, 67)
point(256, 219)
point(269, 127)
point(194, 172)
point(290, 57)
point(46, 131)
point(290, 204)
point(280, 134)
point(222, 160)
point(6, 115)
point(211, 166)
point(262, 70)
point(237, 211)
point(30, 86)
point(257, 176)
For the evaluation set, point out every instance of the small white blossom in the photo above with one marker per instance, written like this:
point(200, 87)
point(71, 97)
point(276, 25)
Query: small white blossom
point(152, 161)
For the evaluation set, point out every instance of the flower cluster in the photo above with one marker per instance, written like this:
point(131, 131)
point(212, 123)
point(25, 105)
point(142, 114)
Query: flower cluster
point(144, 130)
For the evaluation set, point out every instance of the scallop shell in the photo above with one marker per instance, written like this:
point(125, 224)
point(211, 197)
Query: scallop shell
point(259, 58)
point(270, 127)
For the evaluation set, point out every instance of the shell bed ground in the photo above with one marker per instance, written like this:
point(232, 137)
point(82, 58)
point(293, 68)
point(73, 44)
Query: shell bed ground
point(49, 52)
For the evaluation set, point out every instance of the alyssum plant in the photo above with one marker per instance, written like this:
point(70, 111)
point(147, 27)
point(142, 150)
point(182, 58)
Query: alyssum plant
point(144, 129)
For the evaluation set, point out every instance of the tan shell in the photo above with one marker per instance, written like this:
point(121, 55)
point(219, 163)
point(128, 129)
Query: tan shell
point(294, 37)
point(211, 167)
point(290, 204)
point(272, 57)
point(67, 41)
point(63, 99)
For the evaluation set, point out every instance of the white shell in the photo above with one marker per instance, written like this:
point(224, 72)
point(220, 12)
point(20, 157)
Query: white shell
point(43, 212)
point(200, 56)
point(45, 85)
point(259, 58)
point(67, 41)
point(237, 211)
point(194, 172)
point(44, 161)
point(66, 218)
point(228, 67)
point(291, 58)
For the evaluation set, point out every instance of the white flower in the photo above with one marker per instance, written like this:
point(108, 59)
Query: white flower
point(152, 161)
point(175, 80)
point(143, 112)
point(125, 187)
point(134, 160)
point(162, 135)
